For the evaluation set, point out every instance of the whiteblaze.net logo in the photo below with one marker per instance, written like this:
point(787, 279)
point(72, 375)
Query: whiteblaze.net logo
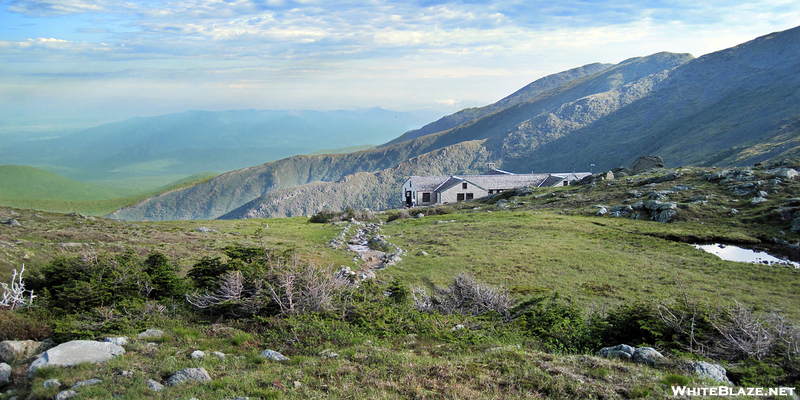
point(727, 391)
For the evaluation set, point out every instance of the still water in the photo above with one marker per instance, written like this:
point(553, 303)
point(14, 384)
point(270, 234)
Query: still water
point(735, 253)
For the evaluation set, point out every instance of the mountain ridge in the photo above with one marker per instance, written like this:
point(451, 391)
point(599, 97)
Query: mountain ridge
point(710, 110)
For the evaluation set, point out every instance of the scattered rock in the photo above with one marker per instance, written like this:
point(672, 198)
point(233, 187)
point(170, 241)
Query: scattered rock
point(665, 216)
point(51, 383)
point(203, 229)
point(646, 355)
point(5, 374)
point(12, 222)
point(420, 215)
point(602, 211)
point(197, 354)
point(712, 371)
point(273, 355)
point(189, 375)
point(646, 163)
point(151, 334)
point(219, 354)
point(756, 200)
point(154, 386)
point(67, 394)
point(88, 382)
point(76, 352)
point(328, 354)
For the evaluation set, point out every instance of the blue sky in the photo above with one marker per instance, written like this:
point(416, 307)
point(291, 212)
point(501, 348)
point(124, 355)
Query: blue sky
point(74, 63)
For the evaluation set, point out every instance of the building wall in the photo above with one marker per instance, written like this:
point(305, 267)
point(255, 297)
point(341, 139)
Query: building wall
point(451, 195)
point(416, 195)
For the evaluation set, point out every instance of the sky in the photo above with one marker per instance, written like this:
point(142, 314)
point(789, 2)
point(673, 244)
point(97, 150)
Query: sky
point(67, 64)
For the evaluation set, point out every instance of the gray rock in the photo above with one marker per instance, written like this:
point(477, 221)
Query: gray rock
point(602, 211)
point(88, 382)
point(67, 394)
point(151, 334)
point(51, 383)
point(119, 341)
point(714, 372)
point(665, 216)
point(5, 374)
point(189, 375)
point(219, 354)
point(15, 350)
point(273, 355)
point(76, 352)
point(622, 351)
point(203, 229)
point(197, 354)
point(646, 355)
point(646, 163)
point(756, 200)
point(419, 215)
point(13, 222)
point(154, 385)
point(787, 173)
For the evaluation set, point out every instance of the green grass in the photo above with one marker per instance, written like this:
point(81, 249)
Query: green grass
point(20, 182)
point(35, 189)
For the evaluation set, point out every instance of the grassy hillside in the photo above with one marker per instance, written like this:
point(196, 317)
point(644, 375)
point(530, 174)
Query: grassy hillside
point(21, 182)
point(562, 264)
point(32, 188)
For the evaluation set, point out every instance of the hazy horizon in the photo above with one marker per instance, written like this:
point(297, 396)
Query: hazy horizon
point(72, 63)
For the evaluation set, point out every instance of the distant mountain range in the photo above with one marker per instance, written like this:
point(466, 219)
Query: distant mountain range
point(733, 107)
point(177, 145)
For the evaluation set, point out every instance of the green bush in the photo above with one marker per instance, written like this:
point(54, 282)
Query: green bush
point(557, 323)
point(164, 281)
point(74, 285)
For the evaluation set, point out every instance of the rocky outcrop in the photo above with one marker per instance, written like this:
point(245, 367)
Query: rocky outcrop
point(646, 163)
point(76, 352)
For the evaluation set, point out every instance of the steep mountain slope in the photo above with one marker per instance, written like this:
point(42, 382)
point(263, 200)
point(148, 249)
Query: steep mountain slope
point(734, 107)
point(528, 92)
point(232, 190)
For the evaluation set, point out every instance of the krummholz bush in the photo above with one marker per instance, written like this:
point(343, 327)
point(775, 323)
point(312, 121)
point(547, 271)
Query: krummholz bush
point(465, 296)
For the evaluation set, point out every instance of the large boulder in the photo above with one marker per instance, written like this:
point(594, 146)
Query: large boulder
point(647, 355)
point(76, 352)
point(646, 163)
point(12, 351)
point(713, 372)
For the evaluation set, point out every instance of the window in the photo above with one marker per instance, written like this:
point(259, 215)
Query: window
point(464, 185)
point(469, 196)
point(426, 197)
point(460, 197)
point(490, 191)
